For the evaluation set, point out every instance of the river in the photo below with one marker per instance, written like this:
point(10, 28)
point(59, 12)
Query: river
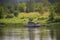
point(33, 34)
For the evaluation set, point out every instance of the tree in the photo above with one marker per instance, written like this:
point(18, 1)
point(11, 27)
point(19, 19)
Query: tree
point(56, 3)
point(52, 13)
point(30, 5)
point(57, 7)
point(1, 12)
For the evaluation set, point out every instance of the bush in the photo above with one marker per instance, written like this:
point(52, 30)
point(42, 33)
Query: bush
point(2, 23)
point(57, 20)
point(9, 16)
point(9, 7)
point(27, 10)
point(57, 7)
point(21, 9)
point(11, 11)
point(51, 16)
point(16, 14)
point(15, 7)
point(1, 15)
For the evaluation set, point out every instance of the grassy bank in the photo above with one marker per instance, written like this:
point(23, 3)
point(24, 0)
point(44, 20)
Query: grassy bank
point(24, 18)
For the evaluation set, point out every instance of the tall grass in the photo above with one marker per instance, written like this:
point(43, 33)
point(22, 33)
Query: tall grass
point(24, 18)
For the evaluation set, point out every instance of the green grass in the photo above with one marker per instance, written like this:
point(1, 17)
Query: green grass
point(24, 18)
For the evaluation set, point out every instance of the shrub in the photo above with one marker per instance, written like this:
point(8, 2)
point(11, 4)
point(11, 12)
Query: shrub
point(9, 16)
point(57, 20)
point(57, 7)
point(21, 9)
point(2, 23)
point(9, 7)
point(27, 10)
point(16, 14)
point(1, 15)
point(11, 11)
point(51, 16)
point(15, 7)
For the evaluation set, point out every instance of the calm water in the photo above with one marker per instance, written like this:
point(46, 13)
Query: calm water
point(33, 34)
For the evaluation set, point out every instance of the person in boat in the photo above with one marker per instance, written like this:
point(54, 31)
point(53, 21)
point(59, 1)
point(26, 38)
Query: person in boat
point(33, 24)
point(30, 22)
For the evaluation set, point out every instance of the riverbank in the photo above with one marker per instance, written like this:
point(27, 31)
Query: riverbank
point(24, 18)
point(19, 25)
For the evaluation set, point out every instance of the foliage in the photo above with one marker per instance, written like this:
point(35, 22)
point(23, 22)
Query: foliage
point(0, 14)
point(9, 16)
point(16, 14)
point(24, 18)
point(22, 7)
point(19, 7)
point(52, 14)
point(57, 7)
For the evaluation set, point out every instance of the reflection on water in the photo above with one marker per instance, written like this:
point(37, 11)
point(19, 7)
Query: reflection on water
point(25, 34)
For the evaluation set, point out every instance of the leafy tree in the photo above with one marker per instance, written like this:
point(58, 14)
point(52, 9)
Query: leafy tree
point(1, 13)
point(56, 3)
point(21, 7)
point(57, 7)
point(30, 5)
point(52, 13)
